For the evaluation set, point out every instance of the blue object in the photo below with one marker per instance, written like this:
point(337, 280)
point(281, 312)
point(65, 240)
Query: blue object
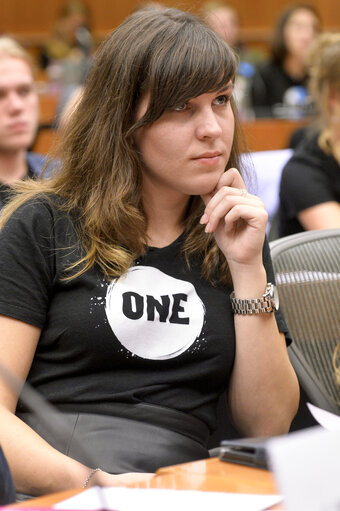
point(246, 69)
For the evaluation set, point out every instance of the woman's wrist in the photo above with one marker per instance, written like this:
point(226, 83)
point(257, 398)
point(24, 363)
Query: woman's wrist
point(249, 283)
point(90, 477)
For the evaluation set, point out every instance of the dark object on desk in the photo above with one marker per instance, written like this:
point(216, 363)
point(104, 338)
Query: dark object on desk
point(245, 451)
point(7, 492)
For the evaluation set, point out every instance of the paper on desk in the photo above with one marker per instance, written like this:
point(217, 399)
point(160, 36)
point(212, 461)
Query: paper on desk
point(326, 419)
point(131, 499)
point(306, 465)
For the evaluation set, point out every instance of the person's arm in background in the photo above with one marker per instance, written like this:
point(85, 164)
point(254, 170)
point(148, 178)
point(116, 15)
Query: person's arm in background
point(309, 188)
point(321, 216)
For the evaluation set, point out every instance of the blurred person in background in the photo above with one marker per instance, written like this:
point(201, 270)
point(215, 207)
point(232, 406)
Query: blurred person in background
point(19, 113)
point(225, 21)
point(310, 183)
point(279, 86)
point(65, 41)
point(67, 55)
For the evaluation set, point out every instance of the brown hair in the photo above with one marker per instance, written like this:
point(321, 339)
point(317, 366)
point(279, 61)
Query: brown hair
point(174, 57)
point(278, 44)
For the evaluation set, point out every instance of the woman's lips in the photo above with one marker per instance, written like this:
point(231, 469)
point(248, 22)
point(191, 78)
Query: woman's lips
point(208, 158)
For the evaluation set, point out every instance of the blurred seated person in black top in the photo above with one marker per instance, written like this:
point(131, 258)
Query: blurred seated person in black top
point(279, 87)
point(310, 183)
point(19, 112)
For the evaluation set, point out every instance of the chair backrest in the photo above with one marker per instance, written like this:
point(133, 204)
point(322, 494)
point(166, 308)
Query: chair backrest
point(307, 270)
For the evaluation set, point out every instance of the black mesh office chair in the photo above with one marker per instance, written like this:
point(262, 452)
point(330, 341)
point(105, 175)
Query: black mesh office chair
point(307, 268)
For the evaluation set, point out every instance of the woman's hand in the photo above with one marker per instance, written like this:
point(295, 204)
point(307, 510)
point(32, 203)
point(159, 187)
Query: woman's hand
point(237, 219)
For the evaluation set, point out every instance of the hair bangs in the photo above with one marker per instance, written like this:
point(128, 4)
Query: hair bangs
point(188, 63)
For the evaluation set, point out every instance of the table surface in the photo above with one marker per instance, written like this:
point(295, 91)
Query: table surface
point(205, 475)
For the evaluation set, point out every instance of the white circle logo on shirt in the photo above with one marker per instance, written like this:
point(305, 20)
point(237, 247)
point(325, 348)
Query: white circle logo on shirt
point(153, 315)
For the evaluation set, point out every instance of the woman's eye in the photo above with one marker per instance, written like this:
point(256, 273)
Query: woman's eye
point(180, 108)
point(222, 100)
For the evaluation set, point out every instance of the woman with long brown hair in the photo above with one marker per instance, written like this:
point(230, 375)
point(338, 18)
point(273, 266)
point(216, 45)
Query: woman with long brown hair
point(116, 274)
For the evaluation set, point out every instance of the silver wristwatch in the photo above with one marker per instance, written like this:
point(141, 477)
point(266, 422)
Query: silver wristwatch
point(269, 302)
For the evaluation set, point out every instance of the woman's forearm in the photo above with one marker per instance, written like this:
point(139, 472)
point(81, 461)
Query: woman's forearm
point(263, 393)
point(36, 467)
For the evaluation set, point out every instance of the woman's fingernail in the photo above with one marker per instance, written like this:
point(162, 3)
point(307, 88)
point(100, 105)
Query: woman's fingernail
point(204, 219)
point(208, 227)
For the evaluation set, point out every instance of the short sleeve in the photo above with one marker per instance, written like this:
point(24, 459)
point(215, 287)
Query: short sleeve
point(303, 185)
point(267, 262)
point(27, 263)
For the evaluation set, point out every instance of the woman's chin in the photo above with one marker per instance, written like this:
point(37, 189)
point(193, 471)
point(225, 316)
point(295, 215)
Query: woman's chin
point(205, 188)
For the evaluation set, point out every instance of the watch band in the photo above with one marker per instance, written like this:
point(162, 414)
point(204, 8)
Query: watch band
point(267, 303)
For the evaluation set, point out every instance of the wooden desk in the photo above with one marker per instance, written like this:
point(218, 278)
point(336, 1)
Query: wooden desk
point(45, 140)
point(205, 475)
point(48, 103)
point(270, 134)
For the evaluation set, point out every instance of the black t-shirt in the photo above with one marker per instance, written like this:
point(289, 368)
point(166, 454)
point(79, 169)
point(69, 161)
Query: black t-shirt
point(268, 87)
point(309, 178)
point(161, 334)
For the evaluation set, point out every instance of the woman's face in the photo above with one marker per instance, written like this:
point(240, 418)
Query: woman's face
point(187, 149)
point(299, 32)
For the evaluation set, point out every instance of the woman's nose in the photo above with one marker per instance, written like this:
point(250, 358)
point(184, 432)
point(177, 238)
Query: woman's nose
point(208, 125)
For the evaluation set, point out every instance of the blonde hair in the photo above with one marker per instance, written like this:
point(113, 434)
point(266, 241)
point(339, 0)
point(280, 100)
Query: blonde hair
point(11, 48)
point(324, 71)
point(210, 9)
point(324, 66)
point(174, 57)
point(211, 6)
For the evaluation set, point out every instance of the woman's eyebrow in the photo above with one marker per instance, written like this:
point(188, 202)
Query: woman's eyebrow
point(229, 86)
